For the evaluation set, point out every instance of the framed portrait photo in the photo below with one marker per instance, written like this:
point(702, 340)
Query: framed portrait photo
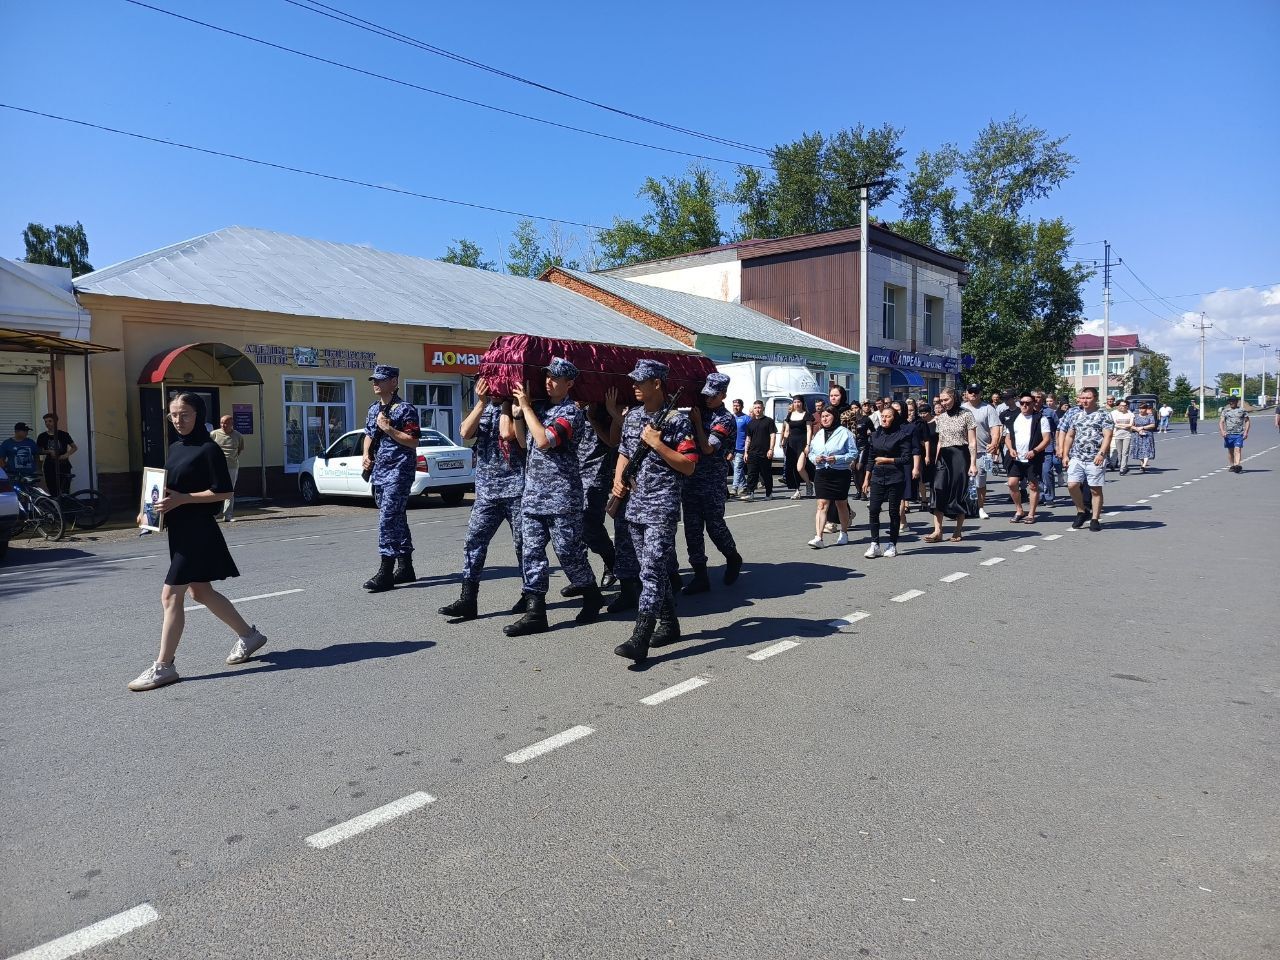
point(153, 479)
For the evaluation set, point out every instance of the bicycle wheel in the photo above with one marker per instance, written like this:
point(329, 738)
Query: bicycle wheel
point(48, 516)
point(91, 509)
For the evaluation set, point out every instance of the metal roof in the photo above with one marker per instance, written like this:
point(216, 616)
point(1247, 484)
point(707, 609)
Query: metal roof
point(717, 318)
point(249, 269)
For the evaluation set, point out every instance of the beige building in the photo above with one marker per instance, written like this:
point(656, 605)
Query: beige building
point(1082, 366)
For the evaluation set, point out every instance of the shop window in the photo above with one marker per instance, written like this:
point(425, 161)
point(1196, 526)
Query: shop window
point(316, 413)
point(436, 403)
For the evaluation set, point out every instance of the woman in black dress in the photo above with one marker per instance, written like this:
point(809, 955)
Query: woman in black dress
point(197, 484)
point(795, 437)
point(957, 461)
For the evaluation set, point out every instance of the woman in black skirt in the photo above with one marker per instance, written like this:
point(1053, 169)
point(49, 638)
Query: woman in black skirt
point(795, 437)
point(957, 461)
point(197, 484)
point(831, 453)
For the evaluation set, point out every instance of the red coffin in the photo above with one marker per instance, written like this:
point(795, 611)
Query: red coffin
point(519, 358)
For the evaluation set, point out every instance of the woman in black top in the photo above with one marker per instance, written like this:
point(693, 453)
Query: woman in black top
point(795, 437)
point(197, 484)
point(894, 457)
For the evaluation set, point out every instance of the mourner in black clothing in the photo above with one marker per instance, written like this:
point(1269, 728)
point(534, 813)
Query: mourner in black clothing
point(894, 459)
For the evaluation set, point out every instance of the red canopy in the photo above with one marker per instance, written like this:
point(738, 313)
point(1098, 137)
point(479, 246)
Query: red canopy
point(519, 358)
point(239, 368)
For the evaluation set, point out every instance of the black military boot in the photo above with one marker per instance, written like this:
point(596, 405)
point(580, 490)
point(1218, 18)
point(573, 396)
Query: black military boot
point(571, 591)
point(676, 583)
point(699, 583)
point(667, 630)
point(522, 604)
point(637, 648)
point(404, 570)
point(534, 619)
point(592, 601)
point(464, 608)
point(732, 568)
point(384, 579)
point(628, 597)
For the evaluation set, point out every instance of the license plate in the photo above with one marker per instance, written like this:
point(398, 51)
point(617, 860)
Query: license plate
point(450, 464)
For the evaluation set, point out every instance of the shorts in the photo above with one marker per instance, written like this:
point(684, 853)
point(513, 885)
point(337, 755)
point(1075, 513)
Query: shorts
point(1233, 441)
point(1027, 470)
point(985, 466)
point(1086, 472)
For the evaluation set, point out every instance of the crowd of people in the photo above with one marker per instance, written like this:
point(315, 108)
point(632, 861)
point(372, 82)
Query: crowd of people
point(556, 471)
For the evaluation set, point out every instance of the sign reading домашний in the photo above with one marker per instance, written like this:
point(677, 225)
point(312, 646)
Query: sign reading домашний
point(274, 355)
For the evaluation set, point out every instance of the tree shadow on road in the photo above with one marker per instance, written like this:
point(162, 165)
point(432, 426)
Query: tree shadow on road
point(306, 658)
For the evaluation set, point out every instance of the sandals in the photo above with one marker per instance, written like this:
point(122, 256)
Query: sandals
point(955, 538)
point(931, 537)
point(1018, 518)
point(1029, 518)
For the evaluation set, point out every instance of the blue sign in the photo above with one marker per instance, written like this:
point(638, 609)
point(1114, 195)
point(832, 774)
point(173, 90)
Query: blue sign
point(933, 363)
point(242, 417)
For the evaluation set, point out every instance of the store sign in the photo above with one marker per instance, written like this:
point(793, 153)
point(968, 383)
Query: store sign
point(242, 415)
point(437, 358)
point(793, 358)
point(274, 355)
point(912, 361)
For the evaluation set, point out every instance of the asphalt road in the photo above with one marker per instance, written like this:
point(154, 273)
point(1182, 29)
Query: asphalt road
point(1068, 752)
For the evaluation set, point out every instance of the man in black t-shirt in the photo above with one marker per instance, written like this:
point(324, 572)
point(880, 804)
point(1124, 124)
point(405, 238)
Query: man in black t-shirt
point(761, 432)
point(56, 448)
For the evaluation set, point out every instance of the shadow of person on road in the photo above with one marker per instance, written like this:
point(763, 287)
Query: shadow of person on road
point(306, 658)
point(765, 581)
point(747, 632)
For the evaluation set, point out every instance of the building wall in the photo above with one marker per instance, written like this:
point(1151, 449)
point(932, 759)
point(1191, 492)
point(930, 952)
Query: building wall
point(823, 364)
point(715, 281)
point(820, 287)
point(661, 324)
point(1079, 380)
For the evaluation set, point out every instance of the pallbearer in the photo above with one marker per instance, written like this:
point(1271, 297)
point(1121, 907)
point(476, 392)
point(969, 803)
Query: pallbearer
point(666, 454)
point(705, 493)
point(500, 459)
point(552, 501)
point(596, 455)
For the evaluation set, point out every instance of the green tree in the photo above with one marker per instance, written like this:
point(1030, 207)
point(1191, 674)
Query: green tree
point(531, 255)
point(63, 246)
point(466, 254)
point(1149, 374)
point(1252, 385)
point(683, 216)
point(1022, 302)
point(1183, 394)
point(812, 184)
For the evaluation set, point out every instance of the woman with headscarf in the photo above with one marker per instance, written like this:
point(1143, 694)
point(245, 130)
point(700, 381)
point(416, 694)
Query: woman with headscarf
point(894, 459)
point(831, 454)
point(197, 483)
point(957, 461)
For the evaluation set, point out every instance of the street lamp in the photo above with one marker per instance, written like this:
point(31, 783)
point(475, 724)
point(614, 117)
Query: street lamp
point(1244, 362)
point(1264, 347)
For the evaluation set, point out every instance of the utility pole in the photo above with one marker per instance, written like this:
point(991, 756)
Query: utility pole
point(1106, 321)
point(864, 237)
point(1244, 363)
point(1263, 396)
point(1203, 327)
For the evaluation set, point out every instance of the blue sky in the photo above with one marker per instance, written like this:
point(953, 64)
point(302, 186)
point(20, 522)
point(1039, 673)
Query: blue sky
point(1171, 109)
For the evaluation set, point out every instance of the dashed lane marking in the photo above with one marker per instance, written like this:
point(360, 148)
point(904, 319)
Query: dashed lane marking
point(145, 556)
point(992, 562)
point(1166, 491)
point(551, 743)
point(1025, 548)
point(782, 646)
point(909, 595)
point(367, 821)
point(1052, 536)
point(849, 619)
point(693, 683)
point(1142, 501)
point(1155, 496)
point(953, 577)
point(260, 596)
point(752, 513)
point(93, 935)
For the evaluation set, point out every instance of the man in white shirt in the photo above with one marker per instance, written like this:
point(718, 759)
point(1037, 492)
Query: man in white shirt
point(1026, 443)
point(1166, 412)
point(987, 421)
point(232, 443)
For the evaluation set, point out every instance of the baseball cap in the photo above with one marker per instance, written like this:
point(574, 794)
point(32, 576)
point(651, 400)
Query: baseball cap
point(21, 426)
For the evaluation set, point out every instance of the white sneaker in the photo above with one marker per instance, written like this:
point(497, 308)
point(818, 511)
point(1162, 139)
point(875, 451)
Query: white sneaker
point(797, 495)
point(873, 551)
point(156, 675)
point(246, 647)
point(816, 543)
point(842, 540)
point(983, 515)
point(747, 497)
point(890, 551)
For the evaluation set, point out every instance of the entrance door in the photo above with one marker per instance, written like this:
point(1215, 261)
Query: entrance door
point(157, 434)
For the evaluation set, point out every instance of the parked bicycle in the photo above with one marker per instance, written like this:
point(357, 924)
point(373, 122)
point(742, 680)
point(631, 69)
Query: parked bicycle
point(40, 512)
point(83, 510)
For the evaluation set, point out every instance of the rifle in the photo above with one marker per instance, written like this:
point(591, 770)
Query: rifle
point(637, 460)
point(384, 409)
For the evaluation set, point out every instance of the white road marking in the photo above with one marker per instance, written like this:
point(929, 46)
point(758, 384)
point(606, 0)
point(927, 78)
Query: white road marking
point(260, 596)
point(909, 595)
point(752, 513)
point(1113, 513)
point(1155, 496)
point(92, 936)
point(145, 556)
point(992, 562)
point(953, 577)
point(849, 619)
point(782, 646)
point(693, 683)
point(549, 744)
point(1142, 501)
point(1026, 547)
point(1166, 491)
point(367, 821)
point(1052, 536)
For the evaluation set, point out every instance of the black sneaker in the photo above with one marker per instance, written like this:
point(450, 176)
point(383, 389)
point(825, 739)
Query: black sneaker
point(1078, 522)
point(1095, 526)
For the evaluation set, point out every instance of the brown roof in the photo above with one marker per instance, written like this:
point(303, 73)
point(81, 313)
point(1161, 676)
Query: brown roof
point(1091, 341)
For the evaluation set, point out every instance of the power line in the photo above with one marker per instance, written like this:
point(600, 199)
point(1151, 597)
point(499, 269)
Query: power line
point(421, 89)
point(291, 169)
point(341, 16)
point(1202, 293)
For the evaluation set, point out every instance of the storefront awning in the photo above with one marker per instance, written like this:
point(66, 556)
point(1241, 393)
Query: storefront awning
point(906, 378)
point(240, 369)
point(23, 341)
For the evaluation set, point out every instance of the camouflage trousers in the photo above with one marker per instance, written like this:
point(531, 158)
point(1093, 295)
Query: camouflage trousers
point(486, 518)
point(704, 511)
point(655, 548)
point(394, 538)
point(626, 562)
point(562, 531)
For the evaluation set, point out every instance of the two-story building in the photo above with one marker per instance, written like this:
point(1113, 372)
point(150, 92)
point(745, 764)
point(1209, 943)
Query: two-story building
point(812, 283)
point(1082, 366)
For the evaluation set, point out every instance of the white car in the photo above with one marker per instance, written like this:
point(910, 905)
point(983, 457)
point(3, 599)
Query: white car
point(443, 467)
point(10, 515)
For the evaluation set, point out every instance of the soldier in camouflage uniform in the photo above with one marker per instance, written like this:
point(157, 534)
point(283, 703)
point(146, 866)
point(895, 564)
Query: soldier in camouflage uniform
point(500, 456)
point(391, 467)
point(552, 501)
point(596, 455)
point(704, 492)
point(653, 503)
